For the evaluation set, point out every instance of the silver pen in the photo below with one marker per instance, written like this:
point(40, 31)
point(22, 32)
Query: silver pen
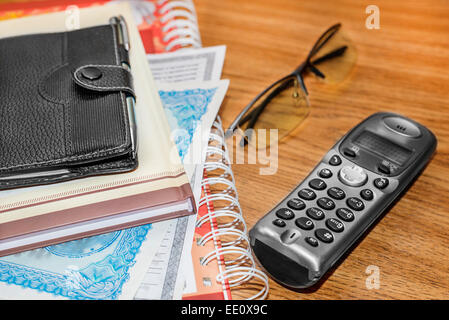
point(123, 40)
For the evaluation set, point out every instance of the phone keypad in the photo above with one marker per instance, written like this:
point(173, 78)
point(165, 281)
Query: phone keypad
point(323, 207)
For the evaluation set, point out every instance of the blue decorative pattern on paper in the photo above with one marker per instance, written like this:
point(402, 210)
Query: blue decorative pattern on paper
point(89, 268)
point(184, 110)
point(91, 245)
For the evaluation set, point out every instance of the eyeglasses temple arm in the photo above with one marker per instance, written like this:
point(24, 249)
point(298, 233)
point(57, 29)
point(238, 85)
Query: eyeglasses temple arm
point(327, 35)
point(237, 120)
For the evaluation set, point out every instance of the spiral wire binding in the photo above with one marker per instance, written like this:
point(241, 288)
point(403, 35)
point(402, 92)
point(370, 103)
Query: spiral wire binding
point(180, 24)
point(239, 265)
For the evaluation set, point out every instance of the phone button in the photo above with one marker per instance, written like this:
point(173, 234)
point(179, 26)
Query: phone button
point(285, 213)
point(304, 223)
point(324, 235)
point(383, 168)
point(335, 160)
point(326, 203)
point(336, 193)
point(381, 183)
point(306, 194)
point(353, 176)
point(349, 152)
point(317, 184)
point(312, 241)
point(279, 222)
point(296, 204)
point(325, 173)
point(367, 194)
point(355, 204)
point(335, 225)
point(315, 213)
point(345, 214)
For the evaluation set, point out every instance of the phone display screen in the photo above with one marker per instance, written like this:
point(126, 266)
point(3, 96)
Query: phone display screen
point(383, 147)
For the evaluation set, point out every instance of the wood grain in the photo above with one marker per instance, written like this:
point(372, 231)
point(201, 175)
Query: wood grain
point(402, 67)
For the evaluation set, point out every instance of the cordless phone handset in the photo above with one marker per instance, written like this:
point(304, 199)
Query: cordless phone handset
point(301, 238)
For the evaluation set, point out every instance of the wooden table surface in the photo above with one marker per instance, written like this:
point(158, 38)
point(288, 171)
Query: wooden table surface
point(401, 67)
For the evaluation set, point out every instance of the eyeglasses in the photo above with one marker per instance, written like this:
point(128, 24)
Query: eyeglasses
point(284, 105)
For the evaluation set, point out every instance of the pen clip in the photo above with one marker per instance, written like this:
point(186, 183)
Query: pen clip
point(122, 37)
point(122, 31)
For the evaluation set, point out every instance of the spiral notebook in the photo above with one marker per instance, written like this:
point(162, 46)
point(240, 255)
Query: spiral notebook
point(164, 26)
point(221, 255)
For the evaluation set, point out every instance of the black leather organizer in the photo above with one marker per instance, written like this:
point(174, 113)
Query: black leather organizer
point(66, 106)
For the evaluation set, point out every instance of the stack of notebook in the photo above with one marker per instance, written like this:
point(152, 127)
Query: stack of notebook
point(154, 232)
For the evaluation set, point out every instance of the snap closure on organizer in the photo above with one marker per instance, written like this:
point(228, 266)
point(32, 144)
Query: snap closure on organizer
point(104, 78)
point(91, 73)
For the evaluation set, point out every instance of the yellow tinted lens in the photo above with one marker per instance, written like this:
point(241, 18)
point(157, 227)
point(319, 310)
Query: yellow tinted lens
point(336, 68)
point(284, 106)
